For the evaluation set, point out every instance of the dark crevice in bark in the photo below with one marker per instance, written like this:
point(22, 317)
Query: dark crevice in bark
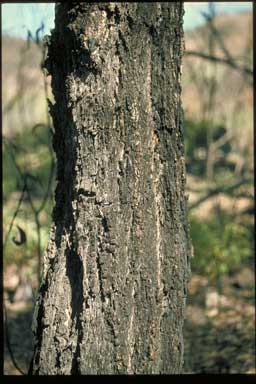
point(99, 271)
point(105, 224)
point(110, 12)
point(106, 246)
point(85, 193)
point(75, 273)
point(122, 40)
point(117, 16)
point(75, 368)
point(74, 264)
point(130, 21)
point(152, 31)
point(40, 326)
point(58, 353)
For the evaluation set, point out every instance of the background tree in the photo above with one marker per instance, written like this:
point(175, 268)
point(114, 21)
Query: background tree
point(115, 272)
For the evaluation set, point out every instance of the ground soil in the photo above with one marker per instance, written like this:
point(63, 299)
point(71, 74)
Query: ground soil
point(219, 329)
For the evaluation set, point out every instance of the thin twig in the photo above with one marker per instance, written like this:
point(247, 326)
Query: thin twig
point(218, 190)
point(15, 215)
point(243, 69)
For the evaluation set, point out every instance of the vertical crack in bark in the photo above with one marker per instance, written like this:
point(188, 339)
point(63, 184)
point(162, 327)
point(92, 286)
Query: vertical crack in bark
point(156, 175)
point(39, 327)
point(75, 368)
point(160, 297)
point(74, 264)
point(98, 261)
point(75, 275)
point(104, 247)
point(131, 336)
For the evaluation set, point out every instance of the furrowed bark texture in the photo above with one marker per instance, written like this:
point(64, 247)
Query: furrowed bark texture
point(115, 272)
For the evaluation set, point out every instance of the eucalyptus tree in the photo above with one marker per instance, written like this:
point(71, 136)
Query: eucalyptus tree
point(113, 291)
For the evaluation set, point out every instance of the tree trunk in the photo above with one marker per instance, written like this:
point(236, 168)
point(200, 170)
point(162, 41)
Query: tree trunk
point(115, 272)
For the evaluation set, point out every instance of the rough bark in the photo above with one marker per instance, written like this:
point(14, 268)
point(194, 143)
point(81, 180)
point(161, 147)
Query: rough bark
point(115, 271)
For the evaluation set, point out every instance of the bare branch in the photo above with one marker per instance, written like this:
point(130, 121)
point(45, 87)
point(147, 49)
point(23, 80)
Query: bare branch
point(215, 145)
point(243, 69)
point(218, 190)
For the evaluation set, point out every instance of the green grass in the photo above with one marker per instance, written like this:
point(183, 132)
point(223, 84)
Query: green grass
point(221, 245)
